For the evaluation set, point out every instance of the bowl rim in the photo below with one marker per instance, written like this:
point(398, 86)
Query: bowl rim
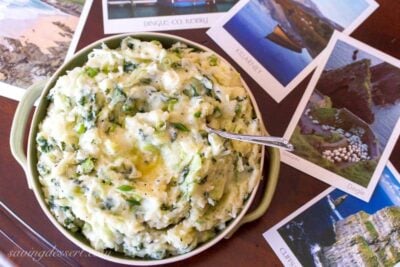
point(38, 116)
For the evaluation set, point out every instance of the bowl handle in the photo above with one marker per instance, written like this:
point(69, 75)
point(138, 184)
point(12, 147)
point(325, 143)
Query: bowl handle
point(269, 191)
point(18, 127)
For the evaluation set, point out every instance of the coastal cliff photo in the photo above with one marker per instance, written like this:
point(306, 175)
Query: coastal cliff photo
point(34, 38)
point(350, 115)
point(286, 35)
point(336, 229)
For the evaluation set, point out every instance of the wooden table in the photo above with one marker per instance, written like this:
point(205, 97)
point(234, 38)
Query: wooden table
point(247, 247)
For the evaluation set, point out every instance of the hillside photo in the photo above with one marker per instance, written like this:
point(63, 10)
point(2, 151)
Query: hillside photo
point(350, 115)
point(286, 35)
point(341, 230)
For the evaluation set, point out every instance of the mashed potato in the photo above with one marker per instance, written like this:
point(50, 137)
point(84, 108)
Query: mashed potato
point(123, 156)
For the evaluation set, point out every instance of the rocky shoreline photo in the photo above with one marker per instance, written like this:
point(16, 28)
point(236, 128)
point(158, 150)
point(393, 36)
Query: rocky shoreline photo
point(72, 7)
point(38, 41)
point(341, 127)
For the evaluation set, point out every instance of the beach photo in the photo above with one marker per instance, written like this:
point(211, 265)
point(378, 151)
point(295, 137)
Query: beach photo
point(153, 15)
point(336, 229)
point(35, 37)
point(348, 120)
point(285, 37)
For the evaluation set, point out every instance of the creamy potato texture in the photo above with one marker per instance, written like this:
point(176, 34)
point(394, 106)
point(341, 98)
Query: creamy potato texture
point(123, 155)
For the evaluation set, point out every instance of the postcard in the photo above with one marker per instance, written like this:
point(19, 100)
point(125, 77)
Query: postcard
point(35, 39)
point(348, 120)
point(335, 229)
point(161, 15)
point(279, 42)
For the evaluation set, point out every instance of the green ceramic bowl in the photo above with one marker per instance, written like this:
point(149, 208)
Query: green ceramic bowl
point(29, 162)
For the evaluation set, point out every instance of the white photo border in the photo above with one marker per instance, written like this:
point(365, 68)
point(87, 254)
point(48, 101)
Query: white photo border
point(158, 23)
point(16, 93)
point(318, 172)
point(255, 69)
point(275, 240)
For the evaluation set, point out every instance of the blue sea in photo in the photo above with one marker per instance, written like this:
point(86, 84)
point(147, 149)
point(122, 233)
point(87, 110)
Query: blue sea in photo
point(314, 228)
point(25, 10)
point(342, 55)
point(249, 27)
point(254, 22)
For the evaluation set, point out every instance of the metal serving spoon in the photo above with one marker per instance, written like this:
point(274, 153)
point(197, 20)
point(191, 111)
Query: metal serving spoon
point(273, 141)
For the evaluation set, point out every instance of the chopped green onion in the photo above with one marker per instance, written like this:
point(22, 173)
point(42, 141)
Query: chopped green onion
point(171, 104)
point(156, 42)
point(150, 148)
point(81, 128)
point(145, 81)
point(87, 166)
point(134, 201)
point(180, 126)
point(213, 60)
point(125, 188)
point(91, 72)
point(118, 95)
point(191, 90)
point(63, 145)
point(44, 145)
point(238, 108)
point(217, 112)
point(207, 83)
point(197, 114)
point(107, 69)
point(82, 101)
point(129, 66)
point(129, 107)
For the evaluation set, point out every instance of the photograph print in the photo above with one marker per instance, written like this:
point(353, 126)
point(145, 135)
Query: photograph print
point(284, 38)
point(35, 38)
point(348, 120)
point(156, 15)
point(336, 229)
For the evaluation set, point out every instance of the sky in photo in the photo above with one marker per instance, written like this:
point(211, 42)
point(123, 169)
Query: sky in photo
point(342, 12)
point(342, 55)
point(25, 10)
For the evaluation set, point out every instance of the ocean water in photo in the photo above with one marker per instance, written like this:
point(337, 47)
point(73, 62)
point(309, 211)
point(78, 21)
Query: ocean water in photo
point(386, 118)
point(17, 16)
point(25, 9)
point(342, 55)
point(34, 38)
point(315, 227)
point(249, 27)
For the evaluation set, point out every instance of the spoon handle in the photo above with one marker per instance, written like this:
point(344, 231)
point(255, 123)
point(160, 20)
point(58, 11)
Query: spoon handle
point(273, 141)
